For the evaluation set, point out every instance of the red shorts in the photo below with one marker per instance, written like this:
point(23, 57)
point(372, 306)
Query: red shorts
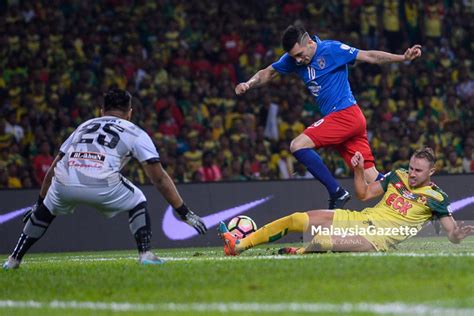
point(345, 131)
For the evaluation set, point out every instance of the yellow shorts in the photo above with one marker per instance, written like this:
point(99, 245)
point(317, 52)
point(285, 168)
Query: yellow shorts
point(360, 221)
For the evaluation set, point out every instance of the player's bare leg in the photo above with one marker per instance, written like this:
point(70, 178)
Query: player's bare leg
point(324, 218)
point(316, 218)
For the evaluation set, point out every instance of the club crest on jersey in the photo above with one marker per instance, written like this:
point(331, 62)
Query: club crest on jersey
point(321, 62)
point(422, 199)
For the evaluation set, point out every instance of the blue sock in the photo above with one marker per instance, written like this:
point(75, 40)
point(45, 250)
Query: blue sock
point(317, 168)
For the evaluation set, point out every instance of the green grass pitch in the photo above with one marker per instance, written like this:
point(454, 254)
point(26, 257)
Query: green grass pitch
point(423, 276)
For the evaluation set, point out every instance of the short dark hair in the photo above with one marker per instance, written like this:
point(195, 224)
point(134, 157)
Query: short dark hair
point(117, 99)
point(426, 153)
point(292, 35)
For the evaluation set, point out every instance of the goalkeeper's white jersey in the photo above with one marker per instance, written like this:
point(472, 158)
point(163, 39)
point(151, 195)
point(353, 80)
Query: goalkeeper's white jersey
point(97, 150)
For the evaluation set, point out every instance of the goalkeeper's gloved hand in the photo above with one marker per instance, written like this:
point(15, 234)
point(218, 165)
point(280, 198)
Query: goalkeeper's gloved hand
point(191, 219)
point(27, 214)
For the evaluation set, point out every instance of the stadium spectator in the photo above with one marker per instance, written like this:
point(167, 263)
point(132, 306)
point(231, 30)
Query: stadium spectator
point(468, 160)
point(454, 164)
point(14, 181)
point(209, 170)
point(6, 139)
point(465, 87)
point(301, 172)
point(42, 162)
point(52, 76)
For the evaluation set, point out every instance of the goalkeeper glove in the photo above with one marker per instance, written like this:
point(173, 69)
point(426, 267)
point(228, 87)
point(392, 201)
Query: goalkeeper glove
point(27, 214)
point(191, 219)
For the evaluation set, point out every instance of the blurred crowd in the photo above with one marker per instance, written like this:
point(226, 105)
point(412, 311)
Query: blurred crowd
point(181, 60)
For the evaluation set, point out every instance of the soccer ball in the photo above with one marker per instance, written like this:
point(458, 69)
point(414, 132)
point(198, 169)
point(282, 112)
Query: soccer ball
point(242, 226)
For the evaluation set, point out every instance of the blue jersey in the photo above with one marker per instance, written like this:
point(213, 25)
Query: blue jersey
point(326, 76)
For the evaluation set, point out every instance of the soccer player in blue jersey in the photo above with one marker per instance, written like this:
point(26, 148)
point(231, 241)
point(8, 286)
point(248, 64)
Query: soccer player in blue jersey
point(322, 65)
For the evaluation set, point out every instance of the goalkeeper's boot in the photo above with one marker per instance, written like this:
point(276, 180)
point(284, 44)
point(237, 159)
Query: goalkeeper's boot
point(339, 199)
point(288, 251)
point(148, 258)
point(229, 239)
point(11, 263)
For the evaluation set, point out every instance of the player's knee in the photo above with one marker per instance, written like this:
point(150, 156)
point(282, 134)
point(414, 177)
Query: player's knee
point(297, 144)
point(320, 217)
point(43, 214)
point(299, 221)
point(300, 142)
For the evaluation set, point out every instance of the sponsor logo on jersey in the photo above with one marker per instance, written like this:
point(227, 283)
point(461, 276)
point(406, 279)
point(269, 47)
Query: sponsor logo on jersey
point(77, 164)
point(398, 203)
point(321, 62)
point(402, 189)
point(87, 155)
point(407, 194)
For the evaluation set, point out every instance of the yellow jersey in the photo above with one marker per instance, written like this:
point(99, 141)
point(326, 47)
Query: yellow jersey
point(404, 206)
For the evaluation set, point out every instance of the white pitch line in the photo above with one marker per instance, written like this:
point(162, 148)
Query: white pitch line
point(284, 307)
point(244, 258)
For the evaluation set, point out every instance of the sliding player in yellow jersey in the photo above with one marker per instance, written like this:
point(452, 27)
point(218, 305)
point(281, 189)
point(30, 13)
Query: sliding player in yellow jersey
point(409, 200)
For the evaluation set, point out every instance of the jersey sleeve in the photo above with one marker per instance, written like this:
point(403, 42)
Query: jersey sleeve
point(342, 53)
point(144, 150)
point(285, 65)
point(386, 180)
point(439, 208)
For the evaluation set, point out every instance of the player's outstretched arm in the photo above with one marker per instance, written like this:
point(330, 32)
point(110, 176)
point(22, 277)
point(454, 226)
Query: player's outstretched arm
point(163, 183)
point(259, 79)
point(380, 57)
point(456, 231)
point(363, 190)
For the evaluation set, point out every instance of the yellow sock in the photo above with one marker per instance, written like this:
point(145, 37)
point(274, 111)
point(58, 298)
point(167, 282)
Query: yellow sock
point(296, 222)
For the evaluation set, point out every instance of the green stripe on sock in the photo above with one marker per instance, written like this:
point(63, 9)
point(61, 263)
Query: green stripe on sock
point(278, 236)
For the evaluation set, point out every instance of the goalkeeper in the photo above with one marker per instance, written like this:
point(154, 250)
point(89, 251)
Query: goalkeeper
point(409, 200)
point(87, 171)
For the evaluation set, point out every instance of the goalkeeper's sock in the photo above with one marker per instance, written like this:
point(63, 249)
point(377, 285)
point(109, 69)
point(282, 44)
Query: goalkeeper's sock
point(140, 227)
point(296, 222)
point(316, 166)
point(34, 229)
